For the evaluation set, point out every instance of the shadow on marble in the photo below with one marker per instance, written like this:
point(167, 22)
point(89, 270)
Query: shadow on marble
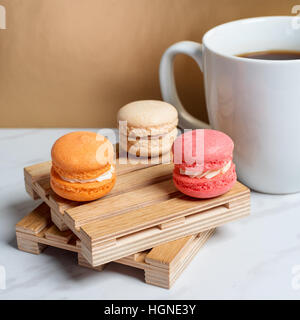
point(20, 209)
point(65, 261)
point(17, 211)
point(131, 272)
point(220, 235)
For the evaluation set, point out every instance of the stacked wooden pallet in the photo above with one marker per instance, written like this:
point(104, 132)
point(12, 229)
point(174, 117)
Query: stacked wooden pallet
point(143, 211)
point(162, 265)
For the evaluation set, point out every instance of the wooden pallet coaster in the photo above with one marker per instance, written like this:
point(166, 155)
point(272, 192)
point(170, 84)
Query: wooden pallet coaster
point(143, 210)
point(162, 265)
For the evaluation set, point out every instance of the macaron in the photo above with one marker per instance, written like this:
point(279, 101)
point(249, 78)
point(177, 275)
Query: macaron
point(147, 127)
point(203, 166)
point(82, 166)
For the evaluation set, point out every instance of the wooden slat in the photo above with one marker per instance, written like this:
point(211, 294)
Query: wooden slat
point(175, 259)
point(138, 263)
point(156, 275)
point(59, 204)
point(152, 237)
point(166, 253)
point(53, 233)
point(172, 223)
point(140, 178)
point(35, 221)
point(30, 191)
point(42, 187)
point(125, 165)
point(83, 263)
point(37, 171)
point(238, 201)
point(29, 246)
point(107, 227)
point(58, 221)
point(112, 206)
point(153, 215)
point(40, 239)
point(125, 183)
point(37, 181)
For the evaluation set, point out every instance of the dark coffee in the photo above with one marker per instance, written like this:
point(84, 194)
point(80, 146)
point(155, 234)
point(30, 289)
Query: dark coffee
point(272, 55)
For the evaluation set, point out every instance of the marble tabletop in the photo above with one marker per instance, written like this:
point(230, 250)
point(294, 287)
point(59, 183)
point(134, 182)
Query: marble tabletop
point(257, 257)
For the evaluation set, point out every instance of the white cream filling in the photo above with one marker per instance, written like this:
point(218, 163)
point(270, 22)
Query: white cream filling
point(105, 176)
point(152, 137)
point(208, 174)
point(133, 131)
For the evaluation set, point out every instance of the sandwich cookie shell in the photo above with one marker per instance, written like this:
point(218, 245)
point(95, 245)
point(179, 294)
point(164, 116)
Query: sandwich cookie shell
point(203, 166)
point(82, 166)
point(151, 127)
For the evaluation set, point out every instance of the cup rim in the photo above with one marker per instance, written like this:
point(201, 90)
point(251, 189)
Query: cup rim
point(245, 20)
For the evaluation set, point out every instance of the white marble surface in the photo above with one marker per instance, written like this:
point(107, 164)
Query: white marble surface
point(248, 259)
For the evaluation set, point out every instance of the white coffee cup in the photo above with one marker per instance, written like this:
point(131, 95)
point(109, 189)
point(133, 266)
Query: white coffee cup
point(256, 102)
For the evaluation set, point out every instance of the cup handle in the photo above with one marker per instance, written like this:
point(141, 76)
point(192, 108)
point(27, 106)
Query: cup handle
point(167, 81)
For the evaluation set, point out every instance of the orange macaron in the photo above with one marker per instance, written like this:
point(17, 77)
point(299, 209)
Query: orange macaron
point(82, 166)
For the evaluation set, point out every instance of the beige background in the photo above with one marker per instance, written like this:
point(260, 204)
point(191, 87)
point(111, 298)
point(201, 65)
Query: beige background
point(74, 63)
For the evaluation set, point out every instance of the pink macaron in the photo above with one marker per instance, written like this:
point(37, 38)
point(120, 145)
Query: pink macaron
point(203, 163)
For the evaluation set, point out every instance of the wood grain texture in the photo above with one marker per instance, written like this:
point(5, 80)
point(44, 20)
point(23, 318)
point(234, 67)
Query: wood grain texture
point(58, 221)
point(165, 254)
point(140, 178)
point(139, 241)
point(29, 246)
point(53, 233)
point(130, 177)
point(43, 188)
point(156, 214)
point(172, 223)
point(30, 191)
point(175, 267)
point(35, 221)
point(142, 211)
point(42, 240)
point(83, 263)
point(35, 243)
point(38, 171)
point(115, 206)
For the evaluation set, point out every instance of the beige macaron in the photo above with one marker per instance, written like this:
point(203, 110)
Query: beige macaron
point(147, 127)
